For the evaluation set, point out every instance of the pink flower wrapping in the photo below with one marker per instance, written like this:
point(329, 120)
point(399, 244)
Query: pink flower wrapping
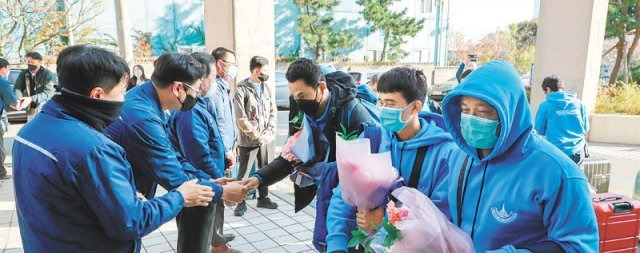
point(286, 149)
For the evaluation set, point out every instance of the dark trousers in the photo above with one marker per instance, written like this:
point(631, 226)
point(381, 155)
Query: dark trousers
point(218, 223)
point(195, 226)
point(244, 167)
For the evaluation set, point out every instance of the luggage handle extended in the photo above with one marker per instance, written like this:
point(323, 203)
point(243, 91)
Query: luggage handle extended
point(600, 199)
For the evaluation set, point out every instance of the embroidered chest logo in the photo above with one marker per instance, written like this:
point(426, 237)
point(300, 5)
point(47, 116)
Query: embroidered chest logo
point(502, 215)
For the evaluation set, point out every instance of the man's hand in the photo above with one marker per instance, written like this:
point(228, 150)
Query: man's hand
point(230, 159)
point(223, 180)
point(233, 193)
point(364, 219)
point(195, 194)
point(251, 183)
point(24, 102)
point(140, 196)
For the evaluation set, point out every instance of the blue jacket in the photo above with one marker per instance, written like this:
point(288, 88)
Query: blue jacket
point(143, 133)
point(224, 113)
point(433, 180)
point(525, 191)
point(563, 119)
point(74, 189)
point(195, 134)
point(6, 94)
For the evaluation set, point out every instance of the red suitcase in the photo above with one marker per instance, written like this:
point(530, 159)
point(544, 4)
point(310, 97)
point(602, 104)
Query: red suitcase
point(618, 222)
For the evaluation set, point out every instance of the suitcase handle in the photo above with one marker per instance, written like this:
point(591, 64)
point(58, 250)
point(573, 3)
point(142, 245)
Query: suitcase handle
point(600, 199)
point(622, 207)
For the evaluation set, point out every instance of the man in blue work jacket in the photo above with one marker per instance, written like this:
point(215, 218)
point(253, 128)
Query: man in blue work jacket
point(196, 135)
point(74, 186)
point(143, 133)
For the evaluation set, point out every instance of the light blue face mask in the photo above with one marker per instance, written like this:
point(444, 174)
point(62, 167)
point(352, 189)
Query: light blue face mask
point(479, 132)
point(391, 118)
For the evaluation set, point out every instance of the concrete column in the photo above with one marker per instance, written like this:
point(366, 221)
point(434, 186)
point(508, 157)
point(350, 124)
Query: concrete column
point(246, 27)
point(124, 30)
point(569, 45)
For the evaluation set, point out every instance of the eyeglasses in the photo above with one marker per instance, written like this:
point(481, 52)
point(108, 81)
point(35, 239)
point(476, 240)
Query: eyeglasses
point(229, 63)
point(191, 87)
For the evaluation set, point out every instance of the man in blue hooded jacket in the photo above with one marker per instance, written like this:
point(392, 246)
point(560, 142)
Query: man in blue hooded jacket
point(562, 118)
point(74, 187)
point(406, 132)
point(513, 191)
point(143, 132)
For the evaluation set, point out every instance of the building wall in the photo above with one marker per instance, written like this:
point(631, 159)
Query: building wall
point(421, 48)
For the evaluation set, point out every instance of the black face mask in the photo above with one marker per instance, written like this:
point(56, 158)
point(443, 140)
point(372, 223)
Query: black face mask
point(263, 77)
point(188, 101)
point(309, 106)
point(32, 67)
point(96, 113)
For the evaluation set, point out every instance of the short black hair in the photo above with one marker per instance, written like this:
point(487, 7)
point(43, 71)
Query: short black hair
point(553, 82)
point(412, 83)
point(81, 68)
point(204, 59)
point(257, 62)
point(306, 70)
point(3, 63)
point(220, 52)
point(34, 55)
point(171, 67)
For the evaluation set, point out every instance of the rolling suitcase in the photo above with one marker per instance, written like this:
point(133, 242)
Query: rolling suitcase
point(598, 171)
point(618, 222)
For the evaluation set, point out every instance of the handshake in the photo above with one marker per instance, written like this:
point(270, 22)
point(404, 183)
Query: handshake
point(234, 191)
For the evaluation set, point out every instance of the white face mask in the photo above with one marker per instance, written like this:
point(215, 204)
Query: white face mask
point(212, 90)
point(137, 73)
point(233, 72)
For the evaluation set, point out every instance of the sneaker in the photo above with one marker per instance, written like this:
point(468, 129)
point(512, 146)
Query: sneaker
point(228, 237)
point(224, 248)
point(240, 209)
point(267, 203)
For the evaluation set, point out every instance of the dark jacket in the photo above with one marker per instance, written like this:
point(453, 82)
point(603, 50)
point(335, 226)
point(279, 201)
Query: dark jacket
point(196, 135)
point(143, 131)
point(41, 91)
point(344, 109)
point(75, 189)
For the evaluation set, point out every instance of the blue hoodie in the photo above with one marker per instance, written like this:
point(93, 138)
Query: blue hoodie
point(433, 178)
point(563, 119)
point(525, 191)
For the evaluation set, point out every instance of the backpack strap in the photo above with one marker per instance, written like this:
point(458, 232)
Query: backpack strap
point(459, 194)
point(417, 167)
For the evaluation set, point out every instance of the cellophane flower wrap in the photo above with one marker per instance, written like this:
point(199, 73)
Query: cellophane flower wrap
point(365, 178)
point(424, 228)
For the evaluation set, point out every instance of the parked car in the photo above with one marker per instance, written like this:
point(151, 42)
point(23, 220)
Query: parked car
point(363, 76)
point(282, 91)
point(12, 114)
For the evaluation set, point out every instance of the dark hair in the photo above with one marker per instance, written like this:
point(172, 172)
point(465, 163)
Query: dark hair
point(171, 67)
point(306, 70)
point(553, 82)
point(374, 78)
point(257, 62)
point(144, 76)
point(204, 59)
point(34, 55)
point(412, 83)
point(220, 52)
point(81, 68)
point(3, 63)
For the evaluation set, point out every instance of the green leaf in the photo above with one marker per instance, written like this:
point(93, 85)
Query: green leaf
point(367, 245)
point(357, 237)
point(393, 233)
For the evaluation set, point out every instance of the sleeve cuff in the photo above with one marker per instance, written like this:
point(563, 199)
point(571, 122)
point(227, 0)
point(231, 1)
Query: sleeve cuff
point(217, 189)
point(337, 243)
point(258, 176)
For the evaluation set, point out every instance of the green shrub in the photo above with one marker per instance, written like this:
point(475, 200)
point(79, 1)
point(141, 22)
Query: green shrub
point(620, 99)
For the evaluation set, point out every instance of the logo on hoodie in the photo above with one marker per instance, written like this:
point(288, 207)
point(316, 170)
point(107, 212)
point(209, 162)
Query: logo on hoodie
point(502, 215)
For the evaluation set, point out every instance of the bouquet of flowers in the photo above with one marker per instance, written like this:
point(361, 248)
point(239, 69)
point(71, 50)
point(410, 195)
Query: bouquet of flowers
point(419, 226)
